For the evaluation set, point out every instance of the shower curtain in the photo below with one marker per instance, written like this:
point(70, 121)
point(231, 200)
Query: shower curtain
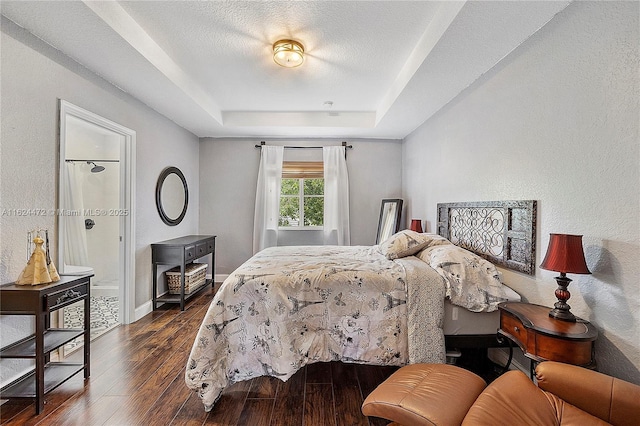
point(75, 234)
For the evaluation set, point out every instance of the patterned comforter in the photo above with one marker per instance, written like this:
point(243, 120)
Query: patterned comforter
point(290, 306)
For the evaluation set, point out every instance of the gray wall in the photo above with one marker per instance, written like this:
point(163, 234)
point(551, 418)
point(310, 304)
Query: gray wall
point(33, 77)
point(228, 175)
point(557, 122)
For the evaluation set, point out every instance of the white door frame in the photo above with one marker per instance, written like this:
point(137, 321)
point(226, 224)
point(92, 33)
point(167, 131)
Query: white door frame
point(127, 202)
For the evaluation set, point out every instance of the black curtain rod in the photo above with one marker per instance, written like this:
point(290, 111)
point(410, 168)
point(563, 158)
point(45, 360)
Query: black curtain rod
point(263, 143)
point(93, 161)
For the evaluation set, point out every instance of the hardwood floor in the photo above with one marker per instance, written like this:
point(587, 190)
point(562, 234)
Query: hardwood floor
point(137, 378)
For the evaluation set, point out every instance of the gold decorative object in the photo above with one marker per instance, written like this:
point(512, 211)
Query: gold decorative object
point(40, 269)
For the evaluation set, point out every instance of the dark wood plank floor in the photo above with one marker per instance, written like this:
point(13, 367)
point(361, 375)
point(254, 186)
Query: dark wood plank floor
point(137, 378)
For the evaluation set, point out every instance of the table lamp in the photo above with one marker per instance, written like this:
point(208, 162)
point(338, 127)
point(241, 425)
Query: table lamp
point(416, 225)
point(564, 255)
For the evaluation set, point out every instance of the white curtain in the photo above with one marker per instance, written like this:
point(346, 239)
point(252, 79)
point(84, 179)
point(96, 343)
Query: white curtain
point(75, 234)
point(336, 196)
point(267, 212)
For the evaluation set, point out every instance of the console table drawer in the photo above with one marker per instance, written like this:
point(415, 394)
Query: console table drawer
point(66, 297)
point(512, 325)
point(203, 248)
point(190, 253)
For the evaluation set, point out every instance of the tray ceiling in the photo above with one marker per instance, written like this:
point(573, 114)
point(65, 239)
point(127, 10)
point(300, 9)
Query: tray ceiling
point(387, 66)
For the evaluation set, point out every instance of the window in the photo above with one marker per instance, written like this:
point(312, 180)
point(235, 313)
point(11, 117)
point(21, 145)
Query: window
point(302, 195)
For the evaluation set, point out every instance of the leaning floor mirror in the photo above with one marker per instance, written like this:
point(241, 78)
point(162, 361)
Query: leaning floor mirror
point(389, 222)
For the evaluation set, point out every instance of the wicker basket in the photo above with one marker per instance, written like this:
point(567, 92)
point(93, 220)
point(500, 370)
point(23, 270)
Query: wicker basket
point(195, 276)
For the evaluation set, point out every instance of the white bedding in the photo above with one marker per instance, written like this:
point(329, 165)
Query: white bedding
point(459, 321)
point(290, 306)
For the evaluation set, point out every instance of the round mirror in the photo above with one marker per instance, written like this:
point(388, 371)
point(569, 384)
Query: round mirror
point(172, 196)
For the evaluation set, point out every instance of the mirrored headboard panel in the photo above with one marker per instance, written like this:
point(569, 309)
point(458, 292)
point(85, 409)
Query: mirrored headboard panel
point(503, 232)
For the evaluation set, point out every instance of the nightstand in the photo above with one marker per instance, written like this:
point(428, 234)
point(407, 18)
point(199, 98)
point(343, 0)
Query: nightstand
point(543, 338)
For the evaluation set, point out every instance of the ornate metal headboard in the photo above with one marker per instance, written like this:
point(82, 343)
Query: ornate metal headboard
point(503, 232)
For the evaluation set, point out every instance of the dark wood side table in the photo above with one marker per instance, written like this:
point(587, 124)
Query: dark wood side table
point(543, 338)
point(40, 301)
point(179, 252)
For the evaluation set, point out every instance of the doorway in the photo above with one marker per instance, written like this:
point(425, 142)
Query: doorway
point(95, 216)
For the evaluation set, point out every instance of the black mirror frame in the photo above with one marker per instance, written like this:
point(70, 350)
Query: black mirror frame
point(163, 215)
point(396, 227)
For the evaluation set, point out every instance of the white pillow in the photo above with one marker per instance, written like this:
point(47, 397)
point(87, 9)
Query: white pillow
point(471, 281)
point(407, 243)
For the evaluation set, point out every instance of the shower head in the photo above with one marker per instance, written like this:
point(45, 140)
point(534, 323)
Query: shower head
point(95, 168)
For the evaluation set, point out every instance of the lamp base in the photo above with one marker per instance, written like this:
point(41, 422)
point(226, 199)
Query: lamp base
point(561, 308)
point(561, 314)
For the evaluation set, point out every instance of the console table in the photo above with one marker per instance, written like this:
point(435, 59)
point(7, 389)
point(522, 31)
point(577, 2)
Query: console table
point(40, 301)
point(179, 252)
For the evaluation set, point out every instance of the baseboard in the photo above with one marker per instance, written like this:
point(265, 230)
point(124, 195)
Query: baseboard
point(147, 308)
point(144, 309)
point(219, 277)
point(500, 356)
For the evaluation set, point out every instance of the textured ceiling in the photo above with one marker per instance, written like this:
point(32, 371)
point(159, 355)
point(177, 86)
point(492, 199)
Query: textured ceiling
point(387, 66)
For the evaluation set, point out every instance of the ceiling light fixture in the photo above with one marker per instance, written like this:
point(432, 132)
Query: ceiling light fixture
point(288, 53)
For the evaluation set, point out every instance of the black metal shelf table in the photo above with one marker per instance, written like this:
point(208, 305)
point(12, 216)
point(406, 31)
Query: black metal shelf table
point(40, 301)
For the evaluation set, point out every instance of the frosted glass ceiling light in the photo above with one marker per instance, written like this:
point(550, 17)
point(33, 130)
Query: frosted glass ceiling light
point(288, 53)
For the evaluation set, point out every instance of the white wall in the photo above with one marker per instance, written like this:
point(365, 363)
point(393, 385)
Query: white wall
point(34, 76)
point(557, 122)
point(228, 175)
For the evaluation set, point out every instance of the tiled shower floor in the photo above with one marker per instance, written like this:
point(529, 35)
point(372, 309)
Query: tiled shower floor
point(104, 317)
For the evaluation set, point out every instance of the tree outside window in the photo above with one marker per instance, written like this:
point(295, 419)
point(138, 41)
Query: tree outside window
point(302, 202)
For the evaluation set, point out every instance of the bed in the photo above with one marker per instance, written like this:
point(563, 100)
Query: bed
point(503, 232)
point(290, 306)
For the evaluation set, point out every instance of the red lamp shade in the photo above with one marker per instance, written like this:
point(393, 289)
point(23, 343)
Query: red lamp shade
point(565, 254)
point(416, 225)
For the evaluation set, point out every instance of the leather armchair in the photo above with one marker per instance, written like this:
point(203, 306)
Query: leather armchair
point(565, 395)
